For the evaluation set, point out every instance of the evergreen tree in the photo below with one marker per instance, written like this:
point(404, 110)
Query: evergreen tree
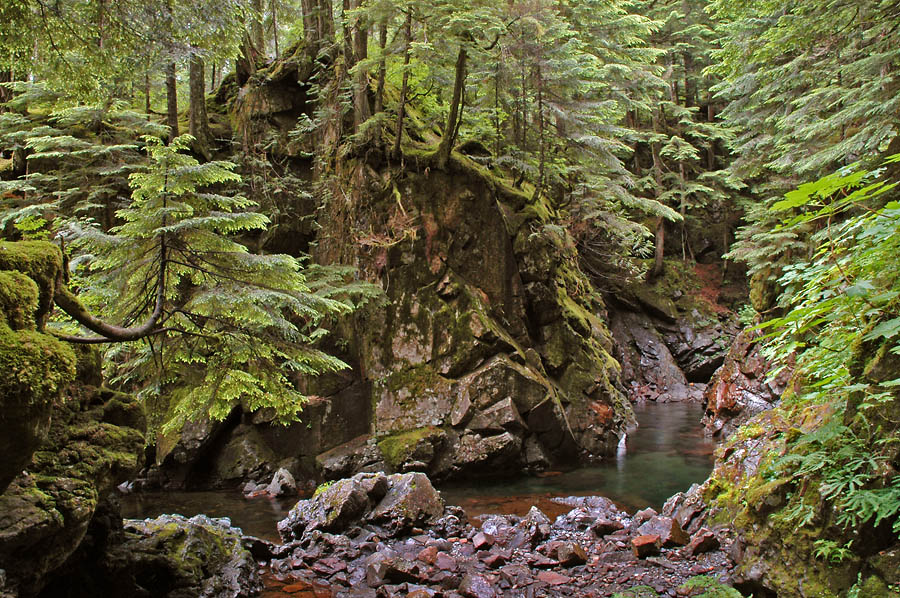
point(205, 324)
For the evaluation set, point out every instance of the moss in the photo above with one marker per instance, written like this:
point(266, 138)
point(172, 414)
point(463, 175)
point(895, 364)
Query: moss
point(42, 262)
point(397, 448)
point(18, 299)
point(35, 366)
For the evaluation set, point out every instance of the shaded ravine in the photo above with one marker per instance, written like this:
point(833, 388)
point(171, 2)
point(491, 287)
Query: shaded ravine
point(666, 454)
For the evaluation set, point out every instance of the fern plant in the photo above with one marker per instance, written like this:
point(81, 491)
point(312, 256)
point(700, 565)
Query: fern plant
point(205, 324)
point(841, 329)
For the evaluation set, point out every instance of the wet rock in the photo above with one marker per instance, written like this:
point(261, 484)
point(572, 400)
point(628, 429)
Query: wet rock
point(667, 529)
point(245, 455)
point(398, 503)
point(198, 557)
point(476, 586)
point(703, 541)
point(536, 457)
point(646, 545)
point(534, 527)
point(282, 484)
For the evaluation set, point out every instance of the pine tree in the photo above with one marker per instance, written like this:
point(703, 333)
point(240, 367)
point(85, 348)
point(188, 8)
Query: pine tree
point(204, 324)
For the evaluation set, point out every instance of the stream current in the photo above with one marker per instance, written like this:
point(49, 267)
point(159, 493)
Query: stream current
point(665, 455)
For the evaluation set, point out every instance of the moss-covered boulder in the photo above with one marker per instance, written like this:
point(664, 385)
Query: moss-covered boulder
point(36, 366)
point(95, 442)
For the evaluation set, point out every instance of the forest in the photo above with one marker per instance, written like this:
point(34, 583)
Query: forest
point(344, 242)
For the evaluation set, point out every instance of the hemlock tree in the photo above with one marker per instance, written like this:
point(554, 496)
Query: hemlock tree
point(204, 324)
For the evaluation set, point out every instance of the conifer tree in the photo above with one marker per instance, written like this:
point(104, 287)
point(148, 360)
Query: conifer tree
point(202, 324)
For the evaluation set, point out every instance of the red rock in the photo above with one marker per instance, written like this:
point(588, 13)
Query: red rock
point(552, 578)
point(428, 555)
point(646, 545)
point(602, 527)
point(571, 555)
point(445, 562)
point(482, 541)
point(703, 541)
point(668, 530)
point(495, 560)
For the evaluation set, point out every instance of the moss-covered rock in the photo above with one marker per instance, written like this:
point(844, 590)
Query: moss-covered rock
point(42, 263)
point(95, 442)
point(36, 366)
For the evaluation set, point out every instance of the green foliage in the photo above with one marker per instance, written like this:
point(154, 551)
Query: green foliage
point(841, 332)
point(237, 328)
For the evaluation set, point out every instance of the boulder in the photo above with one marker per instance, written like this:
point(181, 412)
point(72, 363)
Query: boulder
point(349, 458)
point(395, 503)
point(180, 557)
point(500, 417)
point(282, 484)
point(477, 453)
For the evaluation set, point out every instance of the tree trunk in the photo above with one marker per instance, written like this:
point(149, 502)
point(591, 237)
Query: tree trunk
point(659, 253)
point(660, 248)
point(273, 6)
point(404, 85)
point(171, 101)
point(147, 92)
point(459, 86)
point(310, 23)
point(257, 35)
point(361, 109)
point(199, 120)
point(382, 67)
point(541, 150)
point(6, 76)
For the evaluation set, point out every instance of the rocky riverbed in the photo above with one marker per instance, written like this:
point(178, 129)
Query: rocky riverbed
point(377, 535)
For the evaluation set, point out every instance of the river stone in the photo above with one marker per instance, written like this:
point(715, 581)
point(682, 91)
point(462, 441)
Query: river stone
point(199, 556)
point(669, 532)
point(282, 484)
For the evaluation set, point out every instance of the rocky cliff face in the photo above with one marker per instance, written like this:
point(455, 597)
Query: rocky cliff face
point(670, 337)
point(491, 351)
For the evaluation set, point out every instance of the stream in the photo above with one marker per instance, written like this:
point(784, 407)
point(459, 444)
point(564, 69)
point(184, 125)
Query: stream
point(665, 455)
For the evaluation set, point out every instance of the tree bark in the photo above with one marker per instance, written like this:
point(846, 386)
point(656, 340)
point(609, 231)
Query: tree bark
point(361, 108)
point(382, 67)
point(171, 101)
point(459, 86)
point(257, 35)
point(404, 85)
point(199, 120)
point(273, 6)
point(147, 92)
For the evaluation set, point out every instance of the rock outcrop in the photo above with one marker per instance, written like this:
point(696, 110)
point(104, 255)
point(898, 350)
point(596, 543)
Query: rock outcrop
point(741, 388)
point(670, 337)
point(491, 351)
point(65, 442)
